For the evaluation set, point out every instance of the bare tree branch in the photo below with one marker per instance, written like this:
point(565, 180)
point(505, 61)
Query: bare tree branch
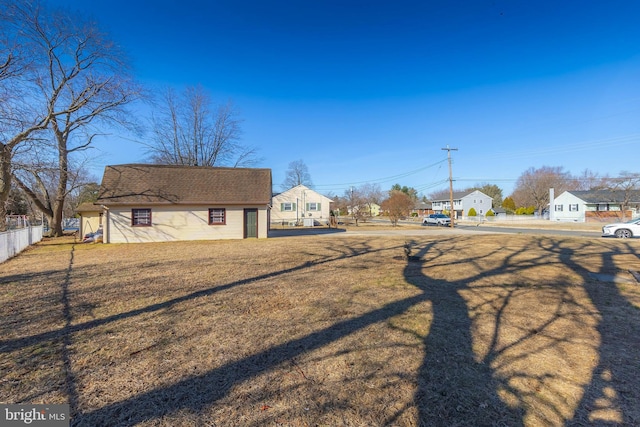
point(77, 82)
point(188, 129)
point(297, 174)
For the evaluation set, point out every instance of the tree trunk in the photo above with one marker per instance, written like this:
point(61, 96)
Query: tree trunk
point(56, 220)
point(63, 179)
point(5, 183)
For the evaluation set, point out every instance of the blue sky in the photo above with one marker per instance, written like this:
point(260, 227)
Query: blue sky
point(371, 91)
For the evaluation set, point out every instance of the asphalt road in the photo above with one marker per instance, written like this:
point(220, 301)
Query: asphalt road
point(434, 230)
point(533, 231)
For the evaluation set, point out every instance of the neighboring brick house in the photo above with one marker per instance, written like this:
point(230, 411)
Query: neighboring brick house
point(157, 203)
point(463, 202)
point(595, 206)
point(421, 209)
point(296, 204)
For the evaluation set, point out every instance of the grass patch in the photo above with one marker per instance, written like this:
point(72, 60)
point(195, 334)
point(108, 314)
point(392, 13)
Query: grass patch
point(325, 330)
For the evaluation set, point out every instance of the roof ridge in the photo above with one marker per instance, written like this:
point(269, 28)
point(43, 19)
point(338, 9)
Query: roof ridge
point(150, 165)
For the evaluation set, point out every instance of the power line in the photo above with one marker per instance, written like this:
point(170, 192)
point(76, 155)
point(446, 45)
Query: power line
point(384, 179)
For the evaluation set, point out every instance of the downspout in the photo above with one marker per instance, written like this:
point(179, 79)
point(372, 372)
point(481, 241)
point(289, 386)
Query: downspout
point(105, 232)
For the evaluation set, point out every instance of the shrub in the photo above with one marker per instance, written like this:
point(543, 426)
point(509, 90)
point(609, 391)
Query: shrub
point(490, 213)
point(472, 212)
point(526, 211)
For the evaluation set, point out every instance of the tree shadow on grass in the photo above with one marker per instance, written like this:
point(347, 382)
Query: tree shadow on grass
point(69, 375)
point(455, 385)
point(18, 343)
point(611, 398)
point(453, 388)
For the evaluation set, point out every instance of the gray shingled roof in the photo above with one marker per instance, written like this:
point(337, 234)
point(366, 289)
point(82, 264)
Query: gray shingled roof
point(457, 195)
point(166, 184)
point(606, 196)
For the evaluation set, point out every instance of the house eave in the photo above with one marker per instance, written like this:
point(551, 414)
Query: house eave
point(186, 203)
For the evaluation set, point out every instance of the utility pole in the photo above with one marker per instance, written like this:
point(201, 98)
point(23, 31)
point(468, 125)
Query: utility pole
point(450, 184)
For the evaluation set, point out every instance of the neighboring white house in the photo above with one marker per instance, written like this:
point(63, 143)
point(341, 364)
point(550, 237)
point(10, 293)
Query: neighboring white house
point(463, 202)
point(594, 206)
point(158, 203)
point(299, 203)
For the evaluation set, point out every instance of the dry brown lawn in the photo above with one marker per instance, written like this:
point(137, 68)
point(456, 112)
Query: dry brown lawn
point(332, 330)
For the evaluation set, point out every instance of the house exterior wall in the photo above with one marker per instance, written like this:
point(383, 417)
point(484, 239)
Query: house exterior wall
point(568, 207)
point(174, 223)
point(445, 205)
point(373, 209)
point(565, 205)
point(477, 200)
point(298, 199)
point(89, 222)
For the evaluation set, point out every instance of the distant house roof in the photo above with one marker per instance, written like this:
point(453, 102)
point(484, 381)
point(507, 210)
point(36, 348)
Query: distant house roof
point(301, 187)
point(422, 205)
point(606, 196)
point(88, 207)
point(457, 195)
point(167, 184)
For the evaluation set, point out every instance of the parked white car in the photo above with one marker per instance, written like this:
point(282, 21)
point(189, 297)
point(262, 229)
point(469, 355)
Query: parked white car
point(436, 219)
point(622, 229)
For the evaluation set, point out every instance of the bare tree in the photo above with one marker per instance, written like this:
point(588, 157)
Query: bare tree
point(189, 129)
point(356, 204)
point(40, 182)
point(82, 80)
point(19, 120)
point(297, 174)
point(625, 189)
point(397, 205)
point(442, 194)
point(532, 187)
point(589, 180)
point(371, 194)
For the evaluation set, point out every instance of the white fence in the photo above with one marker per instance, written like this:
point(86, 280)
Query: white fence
point(13, 242)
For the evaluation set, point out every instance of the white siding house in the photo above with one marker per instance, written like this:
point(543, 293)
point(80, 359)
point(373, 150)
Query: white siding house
point(569, 207)
point(596, 205)
point(298, 203)
point(463, 202)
